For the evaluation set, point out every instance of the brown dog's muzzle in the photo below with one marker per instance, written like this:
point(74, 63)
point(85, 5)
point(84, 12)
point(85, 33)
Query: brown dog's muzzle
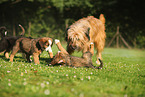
point(73, 47)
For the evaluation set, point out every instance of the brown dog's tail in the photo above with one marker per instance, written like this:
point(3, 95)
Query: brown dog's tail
point(23, 30)
point(102, 18)
point(101, 64)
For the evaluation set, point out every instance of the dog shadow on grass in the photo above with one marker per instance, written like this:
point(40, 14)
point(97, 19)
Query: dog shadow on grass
point(7, 59)
point(43, 60)
point(3, 57)
point(48, 62)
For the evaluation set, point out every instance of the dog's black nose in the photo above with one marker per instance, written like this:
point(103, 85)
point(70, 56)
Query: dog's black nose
point(73, 47)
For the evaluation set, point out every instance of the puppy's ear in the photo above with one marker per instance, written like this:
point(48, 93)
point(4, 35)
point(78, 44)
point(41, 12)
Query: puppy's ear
point(41, 44)
point(3, 31)
point(87, 33)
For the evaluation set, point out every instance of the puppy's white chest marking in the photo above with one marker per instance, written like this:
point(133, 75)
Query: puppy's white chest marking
point(49, 47)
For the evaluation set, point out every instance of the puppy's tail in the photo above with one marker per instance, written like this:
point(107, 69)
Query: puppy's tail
point(102, 18)
point(101, 64)
point(23, 30)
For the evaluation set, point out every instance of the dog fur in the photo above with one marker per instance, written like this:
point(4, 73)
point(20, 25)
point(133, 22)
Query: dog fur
point(3, 31)
point(32, 47)
point(84, 31)
point(63, 57)
point(7, 42)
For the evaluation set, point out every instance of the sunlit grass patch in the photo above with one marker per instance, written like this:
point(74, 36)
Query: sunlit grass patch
point(123, 75)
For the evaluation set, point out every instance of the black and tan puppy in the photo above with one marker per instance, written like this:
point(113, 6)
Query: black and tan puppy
point(7, 42)
point(32, 47)
point(63, 57)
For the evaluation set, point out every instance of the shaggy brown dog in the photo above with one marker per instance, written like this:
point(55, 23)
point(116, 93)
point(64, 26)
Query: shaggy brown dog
point(33, 47)
point(7, 42)
point(63, 57)
point(83, 32)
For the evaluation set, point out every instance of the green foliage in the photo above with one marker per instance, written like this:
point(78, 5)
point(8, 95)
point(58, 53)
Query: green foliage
point(122, 75)
point(141, 41)
point(51, 17)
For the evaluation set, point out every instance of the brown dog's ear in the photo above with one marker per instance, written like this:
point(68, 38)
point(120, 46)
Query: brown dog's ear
point(41, 44)
point(66, 34)
point(87, 33)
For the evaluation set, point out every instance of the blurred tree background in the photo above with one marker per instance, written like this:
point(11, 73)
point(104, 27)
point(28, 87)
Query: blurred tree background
point(51, 17)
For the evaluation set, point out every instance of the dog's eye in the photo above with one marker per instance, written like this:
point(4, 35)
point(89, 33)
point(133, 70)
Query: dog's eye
point(78, 39)
point(46, 43)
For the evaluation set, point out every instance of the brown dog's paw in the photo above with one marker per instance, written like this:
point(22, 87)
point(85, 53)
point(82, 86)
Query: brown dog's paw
point(98, 62)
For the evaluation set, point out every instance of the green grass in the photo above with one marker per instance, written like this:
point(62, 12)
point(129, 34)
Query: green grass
point(123, 75)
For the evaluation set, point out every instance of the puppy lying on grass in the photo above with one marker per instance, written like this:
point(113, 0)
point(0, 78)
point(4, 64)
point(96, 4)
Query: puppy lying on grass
point(63, 57)
point(32, 47)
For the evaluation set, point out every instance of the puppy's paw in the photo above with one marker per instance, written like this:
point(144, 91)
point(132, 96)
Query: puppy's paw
point(56, 41)
point(60, 61)
point(58, 52)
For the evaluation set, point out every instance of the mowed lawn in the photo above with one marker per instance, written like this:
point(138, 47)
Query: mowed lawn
point(123, 75)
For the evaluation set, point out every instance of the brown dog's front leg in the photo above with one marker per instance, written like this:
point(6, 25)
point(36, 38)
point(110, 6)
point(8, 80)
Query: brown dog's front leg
point(11, 57)
point(36, 58)
point(92, 48)
point(51, 54)
point(101, 64)
point(14, 51)
point(99, 56)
